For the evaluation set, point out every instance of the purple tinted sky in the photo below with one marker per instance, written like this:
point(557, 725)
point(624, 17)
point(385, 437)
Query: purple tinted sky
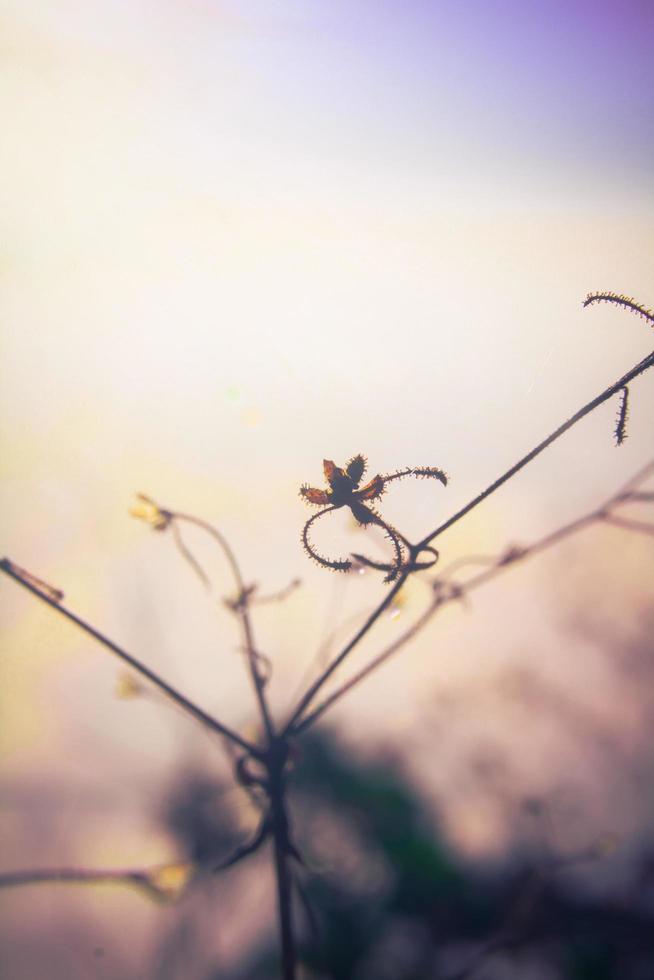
point(489, 86)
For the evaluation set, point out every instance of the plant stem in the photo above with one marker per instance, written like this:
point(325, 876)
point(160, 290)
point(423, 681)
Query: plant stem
point(282, 851)
point(337, 661)
point(243, 613)
point(287, 939)
point(257, 681)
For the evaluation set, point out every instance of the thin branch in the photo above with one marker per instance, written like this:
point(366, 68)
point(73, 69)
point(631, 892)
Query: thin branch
point(162, 882)
point(279, 596)
point(244, 850)
point(449, 592)
point(608, 393)
point(38, 876)
point(641, 527)
point(319, 659)
point(243, 613)
point(220, 540)
point(188, 555)
point(629, 491)
point(205, 719)
point(302, 723)
point(258, 682)
point(291, 724)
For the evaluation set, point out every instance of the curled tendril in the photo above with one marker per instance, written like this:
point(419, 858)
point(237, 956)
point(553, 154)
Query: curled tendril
point(620, 300)
point(343, 490)
point(394, 537)
point(339, 565)
point(423, 472)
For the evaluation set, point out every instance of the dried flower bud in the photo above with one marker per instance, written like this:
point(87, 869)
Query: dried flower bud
point(147, 510)
point(128, 687)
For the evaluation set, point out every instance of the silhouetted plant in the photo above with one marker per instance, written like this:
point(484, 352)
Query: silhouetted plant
point(344, 491)
point(265, 767)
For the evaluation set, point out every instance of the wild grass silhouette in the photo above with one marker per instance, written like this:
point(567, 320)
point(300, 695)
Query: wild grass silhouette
point(266, 766)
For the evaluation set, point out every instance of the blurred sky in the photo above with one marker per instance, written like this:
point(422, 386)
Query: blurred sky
point(237, 238)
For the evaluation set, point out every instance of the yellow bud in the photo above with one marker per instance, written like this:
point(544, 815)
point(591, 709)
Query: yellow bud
point(127, 687)
point(145, 509)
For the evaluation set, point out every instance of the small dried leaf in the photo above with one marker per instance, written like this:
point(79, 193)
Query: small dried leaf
point(356, 467)
point(372, 490)
point(329, 469)
point(314, 496)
